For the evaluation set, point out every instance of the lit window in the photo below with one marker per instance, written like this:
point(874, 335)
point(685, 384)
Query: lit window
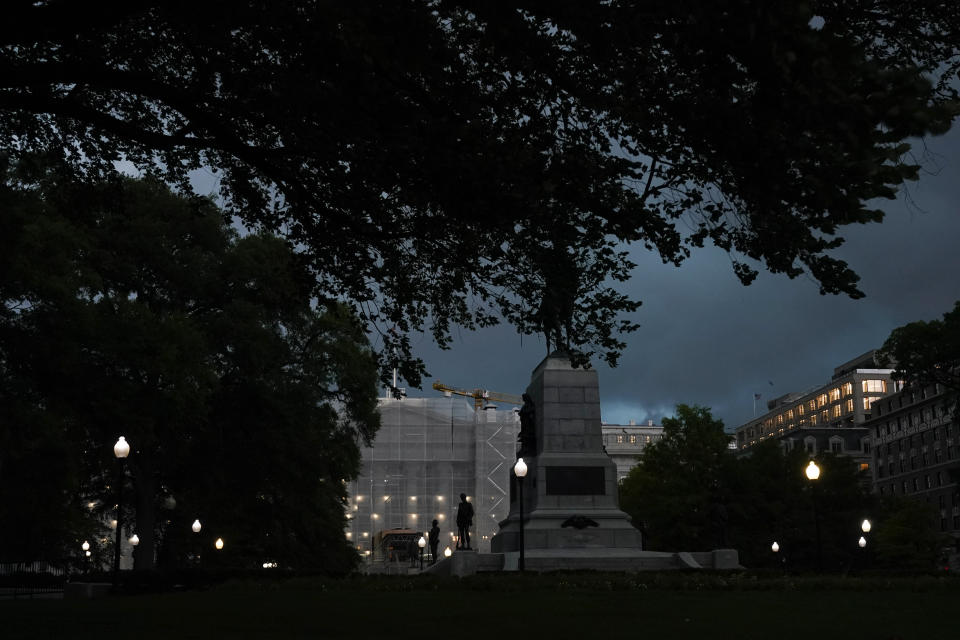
point(849, 405)
point(813, 419)
point(821, 399)
point(789, 414)
point(847, 388)
point(834, 394)
point(813, 405)
point(867, 403)
point(619, 439)
point(633, 439)
point(824, 416)
point(864, 466)
point(874, 386)
point(780, 419)
point(800, 410)
point(836, 411)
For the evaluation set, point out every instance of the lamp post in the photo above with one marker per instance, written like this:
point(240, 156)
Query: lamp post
point(121, 450)
point(813, 474)
point(520, 470)
point(195, 527)
point(865, 527)
point(86, 555)
point(422, 542)
point(775, 547)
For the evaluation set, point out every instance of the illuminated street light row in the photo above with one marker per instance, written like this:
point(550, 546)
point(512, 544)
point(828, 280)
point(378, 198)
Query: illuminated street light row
point(812, 471)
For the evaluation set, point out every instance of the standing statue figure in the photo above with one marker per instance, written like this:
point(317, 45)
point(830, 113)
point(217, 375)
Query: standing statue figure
point(464, 522)
point(434, 536)
point(527, 439)
point(561, 284)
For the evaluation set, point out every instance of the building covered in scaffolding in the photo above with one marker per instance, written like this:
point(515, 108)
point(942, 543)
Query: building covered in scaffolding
point(428, 451)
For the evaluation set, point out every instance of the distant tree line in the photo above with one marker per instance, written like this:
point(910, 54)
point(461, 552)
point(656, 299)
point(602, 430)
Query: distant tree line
point(690, 492)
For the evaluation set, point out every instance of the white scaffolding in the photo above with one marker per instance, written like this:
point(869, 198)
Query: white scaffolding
point(428, 451)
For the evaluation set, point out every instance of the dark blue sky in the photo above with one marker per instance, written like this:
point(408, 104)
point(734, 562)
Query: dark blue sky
point(708, 340)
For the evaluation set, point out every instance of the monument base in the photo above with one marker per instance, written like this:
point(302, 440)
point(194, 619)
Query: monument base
point(546, 560)
point(569, 498)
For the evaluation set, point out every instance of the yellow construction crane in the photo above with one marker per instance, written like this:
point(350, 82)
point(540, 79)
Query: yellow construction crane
point(480, 396)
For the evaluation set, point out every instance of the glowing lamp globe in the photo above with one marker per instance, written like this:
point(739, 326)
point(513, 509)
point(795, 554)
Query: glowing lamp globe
point(122, 448)
point(196, 526)
point(812, 470)
point(520, 469)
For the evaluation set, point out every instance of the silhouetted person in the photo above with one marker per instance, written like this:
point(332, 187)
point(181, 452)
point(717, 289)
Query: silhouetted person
point(434, 541)
point(464, 522)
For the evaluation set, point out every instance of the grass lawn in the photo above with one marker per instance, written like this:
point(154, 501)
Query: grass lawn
point(549, 607)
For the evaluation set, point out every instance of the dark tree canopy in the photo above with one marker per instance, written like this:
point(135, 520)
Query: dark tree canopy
point(130, 311)
point(928, 353)
point(419, 151)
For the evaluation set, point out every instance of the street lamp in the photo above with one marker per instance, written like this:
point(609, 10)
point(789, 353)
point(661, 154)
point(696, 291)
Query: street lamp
point(862, 542)
point(775, 547)
point(422, 542)
point(865, 526)
point(86, 553)
point(520, 470)
point(195, 527)
point(218, 544)
point(134, 540)
point(121, 450)
point(447, 553)
point(813, 473)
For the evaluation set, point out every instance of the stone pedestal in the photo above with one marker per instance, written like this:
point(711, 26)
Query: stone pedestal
point(570, 492)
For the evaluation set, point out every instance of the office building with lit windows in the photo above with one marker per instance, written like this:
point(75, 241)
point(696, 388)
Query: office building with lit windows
point(828, 417)
point(427, 452)
point(625, 443)
point(917, 452)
